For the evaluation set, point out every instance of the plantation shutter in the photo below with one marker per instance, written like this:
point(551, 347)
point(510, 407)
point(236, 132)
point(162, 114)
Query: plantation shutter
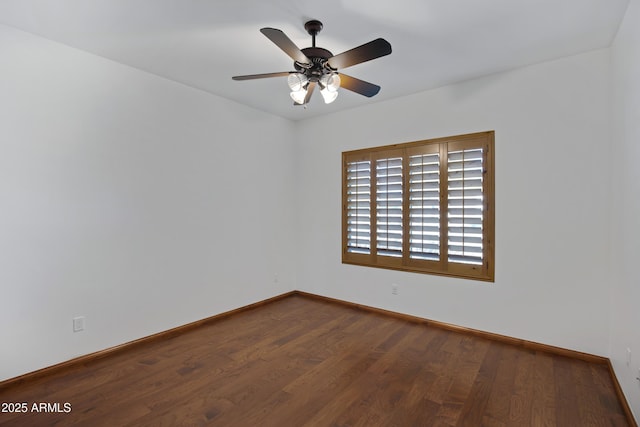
point(389, 207)
point(358, 182)
point(424, 206)
point(465, 206)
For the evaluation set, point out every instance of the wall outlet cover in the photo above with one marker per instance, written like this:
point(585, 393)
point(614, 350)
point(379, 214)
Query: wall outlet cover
point(78, 324)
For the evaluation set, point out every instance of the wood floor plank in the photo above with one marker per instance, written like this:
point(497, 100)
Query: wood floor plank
point(543, 398)
point(470, 356)
point(567, 405)
point(476, 400)
point(301, 361)
point(523, 389)
point(498, 407)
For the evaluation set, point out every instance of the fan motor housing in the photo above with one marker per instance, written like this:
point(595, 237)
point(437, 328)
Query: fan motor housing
point(319, 57)
point(317, 52)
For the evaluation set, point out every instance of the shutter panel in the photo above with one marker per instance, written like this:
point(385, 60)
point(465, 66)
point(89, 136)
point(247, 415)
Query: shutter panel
point(389, 207)
point(424, 207)
point(359, 207)
point(465, 211)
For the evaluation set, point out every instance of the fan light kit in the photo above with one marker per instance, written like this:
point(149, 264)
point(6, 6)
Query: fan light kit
point(315, 66)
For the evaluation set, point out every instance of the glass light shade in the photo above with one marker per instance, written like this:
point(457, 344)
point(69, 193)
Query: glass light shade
point(298, 96)
point(330, 82)
point(328, 96)
point(297, 81)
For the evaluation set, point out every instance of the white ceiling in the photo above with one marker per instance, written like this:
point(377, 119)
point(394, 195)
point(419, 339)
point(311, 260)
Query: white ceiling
point(435, 42)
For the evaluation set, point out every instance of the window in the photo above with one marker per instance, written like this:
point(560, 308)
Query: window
point(425, 206)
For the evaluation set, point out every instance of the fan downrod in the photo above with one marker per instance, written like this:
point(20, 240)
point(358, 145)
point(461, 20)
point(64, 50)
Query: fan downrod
point(313, 27)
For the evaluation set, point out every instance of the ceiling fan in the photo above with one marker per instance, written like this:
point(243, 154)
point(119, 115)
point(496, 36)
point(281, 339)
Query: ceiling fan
point(317, 66)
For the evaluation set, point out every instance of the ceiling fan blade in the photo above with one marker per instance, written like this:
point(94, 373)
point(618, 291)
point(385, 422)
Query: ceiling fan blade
point(283, 42)
point(368, 51)
point(262, 76)
point(312, 86)
point(358, 86)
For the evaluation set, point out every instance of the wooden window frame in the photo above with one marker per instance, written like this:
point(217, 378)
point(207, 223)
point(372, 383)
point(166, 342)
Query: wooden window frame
point(442, 146)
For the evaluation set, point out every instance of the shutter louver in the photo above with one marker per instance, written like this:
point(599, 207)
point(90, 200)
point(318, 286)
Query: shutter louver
point(389, 207)
point(465, 206)
point(359, 207)
point(424, 207)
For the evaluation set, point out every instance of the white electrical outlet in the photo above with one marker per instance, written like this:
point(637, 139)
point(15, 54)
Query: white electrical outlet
point(78, 324)
point(628, 356)
point(394, 289)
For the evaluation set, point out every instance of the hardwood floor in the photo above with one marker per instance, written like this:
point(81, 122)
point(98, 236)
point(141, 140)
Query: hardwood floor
point(303, 362)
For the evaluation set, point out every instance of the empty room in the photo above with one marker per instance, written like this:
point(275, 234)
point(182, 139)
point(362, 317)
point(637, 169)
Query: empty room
point(298, 213)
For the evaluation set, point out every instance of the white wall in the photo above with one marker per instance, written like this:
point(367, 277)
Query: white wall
point(552, 215)
point(625, 280)
point(132, 200)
